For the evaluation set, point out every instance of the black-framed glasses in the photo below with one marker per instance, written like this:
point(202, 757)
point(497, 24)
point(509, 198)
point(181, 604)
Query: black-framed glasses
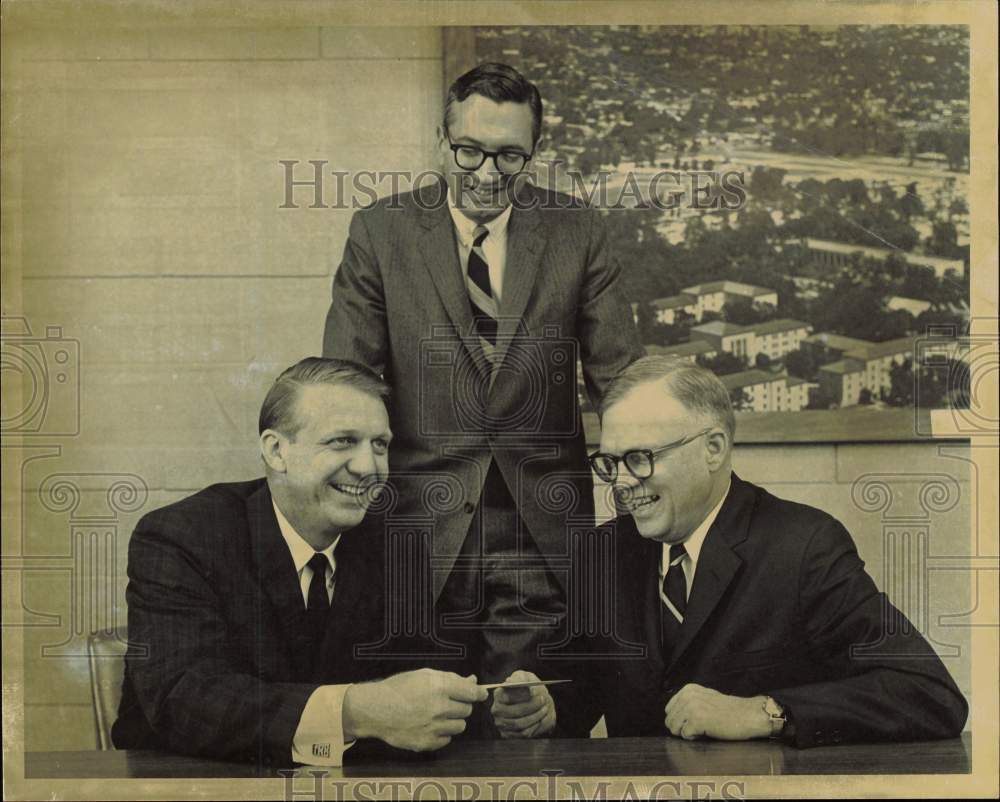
point(508, 162)
point(637, 461)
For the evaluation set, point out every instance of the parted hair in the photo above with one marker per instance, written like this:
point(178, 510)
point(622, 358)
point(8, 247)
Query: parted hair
point(278, 410)
point(697, 389)
point(501, 83)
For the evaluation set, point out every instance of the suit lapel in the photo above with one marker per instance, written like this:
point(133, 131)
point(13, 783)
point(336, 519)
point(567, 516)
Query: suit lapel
point(525, 244)
point(439, 252)
point(649, 605)
point(637, 583)
point(440, 256)
point(276, 572)
point(718, 564)
point(353, 591)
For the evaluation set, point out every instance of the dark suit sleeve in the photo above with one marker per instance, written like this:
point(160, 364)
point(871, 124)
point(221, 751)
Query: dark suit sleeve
point(356, 323)
point(579, 705)
point(886, 682)
point(607, 334)
point(191, 687)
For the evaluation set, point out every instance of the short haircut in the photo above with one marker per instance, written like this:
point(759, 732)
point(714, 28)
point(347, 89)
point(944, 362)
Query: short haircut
point(696, 388)
point(500, 83)
point(278, 410)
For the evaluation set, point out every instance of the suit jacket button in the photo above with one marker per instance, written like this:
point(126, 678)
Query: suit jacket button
point(468, 508)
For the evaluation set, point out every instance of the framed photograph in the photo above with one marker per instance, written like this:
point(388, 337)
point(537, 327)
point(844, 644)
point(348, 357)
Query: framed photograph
point(790, 204)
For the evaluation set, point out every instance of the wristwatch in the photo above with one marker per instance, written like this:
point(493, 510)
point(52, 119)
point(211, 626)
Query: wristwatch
point(776, 716)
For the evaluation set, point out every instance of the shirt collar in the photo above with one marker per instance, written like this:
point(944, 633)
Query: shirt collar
point(301, 551)
point(466, 228)
point(697, 539)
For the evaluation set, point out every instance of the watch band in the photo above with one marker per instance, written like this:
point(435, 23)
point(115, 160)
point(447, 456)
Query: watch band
point(776, 716)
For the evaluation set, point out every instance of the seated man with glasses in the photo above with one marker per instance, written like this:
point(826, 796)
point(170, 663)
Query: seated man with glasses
point(757, 616)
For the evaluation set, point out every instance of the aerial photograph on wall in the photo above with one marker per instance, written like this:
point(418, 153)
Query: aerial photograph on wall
point(813, 249)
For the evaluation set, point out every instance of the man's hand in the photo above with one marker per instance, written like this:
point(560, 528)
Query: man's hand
point(696, 711)
point(417, 710)
point(523, 712)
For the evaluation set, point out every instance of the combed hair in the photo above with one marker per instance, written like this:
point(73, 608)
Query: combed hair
point(501, 83)
point(696, 388)
point(278, 410)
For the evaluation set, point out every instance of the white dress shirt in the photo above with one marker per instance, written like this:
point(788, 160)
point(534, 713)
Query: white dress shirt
point(693, 547)
point(319, 738)
point(302, 553)
point(494, 246)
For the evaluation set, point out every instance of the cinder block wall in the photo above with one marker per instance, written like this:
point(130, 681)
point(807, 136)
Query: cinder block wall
point(143, 184)
point(911, 508)
point(142, 193)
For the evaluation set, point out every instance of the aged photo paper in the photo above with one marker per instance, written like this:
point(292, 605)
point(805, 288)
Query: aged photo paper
point(802, 196)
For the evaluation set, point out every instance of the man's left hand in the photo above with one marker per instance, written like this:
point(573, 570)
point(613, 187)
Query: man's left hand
point(696, 711)
point(523, 712)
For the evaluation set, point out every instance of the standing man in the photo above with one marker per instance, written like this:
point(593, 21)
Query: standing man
point(475, 298)
point(757, 615)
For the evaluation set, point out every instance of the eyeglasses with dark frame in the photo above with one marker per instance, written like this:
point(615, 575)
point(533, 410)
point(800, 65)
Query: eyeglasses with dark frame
point(638, 461)
point(470, 157)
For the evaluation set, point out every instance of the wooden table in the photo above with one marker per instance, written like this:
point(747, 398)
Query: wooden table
point(622, 757)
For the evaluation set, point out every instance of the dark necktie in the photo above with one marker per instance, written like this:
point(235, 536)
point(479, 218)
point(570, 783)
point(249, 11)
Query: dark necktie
point(485, 308)
point(318, 602)
point(675, 589)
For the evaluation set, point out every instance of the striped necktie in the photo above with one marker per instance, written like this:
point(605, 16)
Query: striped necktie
point(485, 308)
point(675, 583)
point(675, 591)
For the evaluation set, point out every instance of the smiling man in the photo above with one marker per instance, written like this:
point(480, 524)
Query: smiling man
point(246, 601)
point(758, 617)
point(480, 295)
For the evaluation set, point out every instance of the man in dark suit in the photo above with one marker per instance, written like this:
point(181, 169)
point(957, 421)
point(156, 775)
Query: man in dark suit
point(249, 604)
point(476, 297)
point(756, 614)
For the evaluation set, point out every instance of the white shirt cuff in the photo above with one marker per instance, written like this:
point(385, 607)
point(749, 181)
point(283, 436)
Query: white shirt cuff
point(319, 738)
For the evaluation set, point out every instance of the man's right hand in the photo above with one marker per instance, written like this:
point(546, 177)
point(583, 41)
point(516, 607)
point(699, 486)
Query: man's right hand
point(418, 710)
